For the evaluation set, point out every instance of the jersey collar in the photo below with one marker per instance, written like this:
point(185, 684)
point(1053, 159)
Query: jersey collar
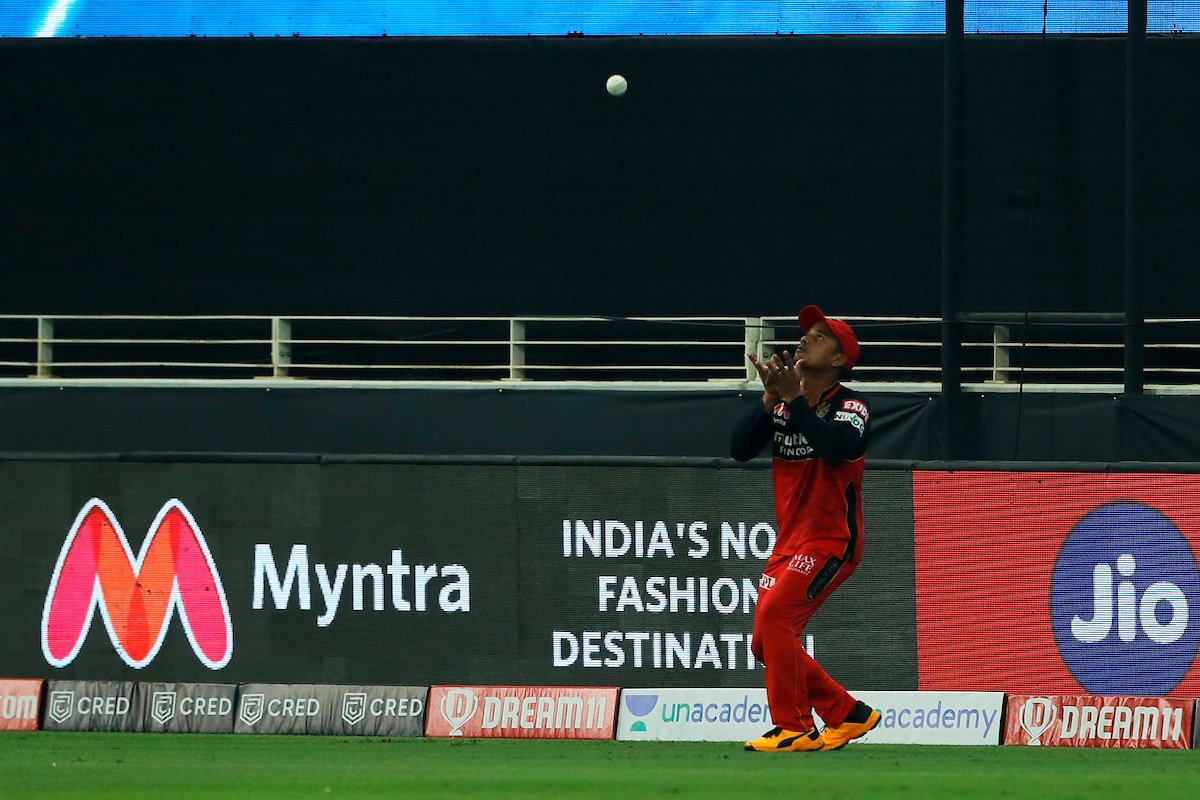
point(830, 392)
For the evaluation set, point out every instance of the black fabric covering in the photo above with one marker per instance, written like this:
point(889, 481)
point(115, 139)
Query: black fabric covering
point(309, 424)
point(496, 176)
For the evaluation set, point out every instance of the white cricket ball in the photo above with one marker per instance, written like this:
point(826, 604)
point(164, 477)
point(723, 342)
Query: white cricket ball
point(616, 85)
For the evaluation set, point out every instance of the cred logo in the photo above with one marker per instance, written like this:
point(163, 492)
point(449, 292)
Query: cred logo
point(1121, 596)
point(136, 595)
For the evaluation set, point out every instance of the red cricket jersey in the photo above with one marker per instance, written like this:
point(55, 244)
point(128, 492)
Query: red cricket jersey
point(819, 456)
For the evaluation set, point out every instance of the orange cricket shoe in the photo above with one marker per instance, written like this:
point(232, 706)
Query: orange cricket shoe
point(777, 740)
point(838, 736)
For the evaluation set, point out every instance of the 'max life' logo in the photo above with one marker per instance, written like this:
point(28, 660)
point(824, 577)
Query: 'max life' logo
point(136, 595)
point(1121, 597)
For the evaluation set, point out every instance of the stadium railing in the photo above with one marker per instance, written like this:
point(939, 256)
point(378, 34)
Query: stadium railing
point(1000, 352)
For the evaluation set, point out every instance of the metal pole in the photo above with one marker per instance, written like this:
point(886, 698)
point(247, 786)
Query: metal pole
point(952, 127)
point(516, 349)
point(1135, 82)
point(753, 344)
point(45, 347)
point(281, 347)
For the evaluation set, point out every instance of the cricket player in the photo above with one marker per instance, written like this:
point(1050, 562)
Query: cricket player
point(818, 430)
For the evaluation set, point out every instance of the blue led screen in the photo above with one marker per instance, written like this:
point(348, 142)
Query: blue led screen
point(168, 18)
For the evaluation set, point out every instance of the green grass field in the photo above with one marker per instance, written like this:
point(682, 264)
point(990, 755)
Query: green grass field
point(170, 767)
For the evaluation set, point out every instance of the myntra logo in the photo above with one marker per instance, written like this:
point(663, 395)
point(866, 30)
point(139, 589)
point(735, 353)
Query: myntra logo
point(136, 596)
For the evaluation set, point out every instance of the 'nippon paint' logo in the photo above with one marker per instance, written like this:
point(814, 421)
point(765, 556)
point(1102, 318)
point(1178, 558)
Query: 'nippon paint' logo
point(1121, 596)
point(136, 595)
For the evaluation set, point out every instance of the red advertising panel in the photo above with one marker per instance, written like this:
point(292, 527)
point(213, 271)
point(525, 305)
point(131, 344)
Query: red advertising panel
point(522, 712)
point(1057, 583)
point(19, 700)
point(1090, 721)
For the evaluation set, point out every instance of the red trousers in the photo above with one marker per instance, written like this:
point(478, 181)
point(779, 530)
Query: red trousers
point(796, 683)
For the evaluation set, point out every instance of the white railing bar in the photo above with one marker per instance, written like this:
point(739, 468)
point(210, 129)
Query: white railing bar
point(863, 369)
point(924, 345)
point(633, 343)
point(306, 318)
point(533, 318)
point(793, 318)
point(150, 364)
point(153, 317)
point(1067, 345)
point(580, 343)
point(639, 367)
point(868, 343)
point(505, 367)
point(525, 342)
point(735, 321)
point(498, 342)
point(76, 340)
point(1016, 371)
point(859, 371)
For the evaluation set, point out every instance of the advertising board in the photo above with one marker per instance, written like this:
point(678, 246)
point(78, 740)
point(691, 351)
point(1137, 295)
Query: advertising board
point(522, 712)
point(318, 709)
point(20, 702)
point(113, 706)
point(731, 715)
point(189, 707)
point(1058, 583)
point(384, 574)
point(1090, 721)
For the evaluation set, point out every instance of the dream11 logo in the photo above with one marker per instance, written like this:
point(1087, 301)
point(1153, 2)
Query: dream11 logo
point(136, 595)
point(1121, 596)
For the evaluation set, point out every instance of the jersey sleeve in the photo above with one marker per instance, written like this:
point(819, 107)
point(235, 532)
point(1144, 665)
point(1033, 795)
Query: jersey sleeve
point(751, 435)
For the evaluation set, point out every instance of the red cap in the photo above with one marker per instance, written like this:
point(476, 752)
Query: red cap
point(811, 315)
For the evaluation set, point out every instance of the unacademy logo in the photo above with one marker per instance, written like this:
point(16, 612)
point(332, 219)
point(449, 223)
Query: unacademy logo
point(136, 595)
point(640, 705)
point(1121, 597)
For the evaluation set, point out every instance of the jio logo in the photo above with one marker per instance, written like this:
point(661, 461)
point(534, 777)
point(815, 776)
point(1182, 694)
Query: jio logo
point(1121, 598)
